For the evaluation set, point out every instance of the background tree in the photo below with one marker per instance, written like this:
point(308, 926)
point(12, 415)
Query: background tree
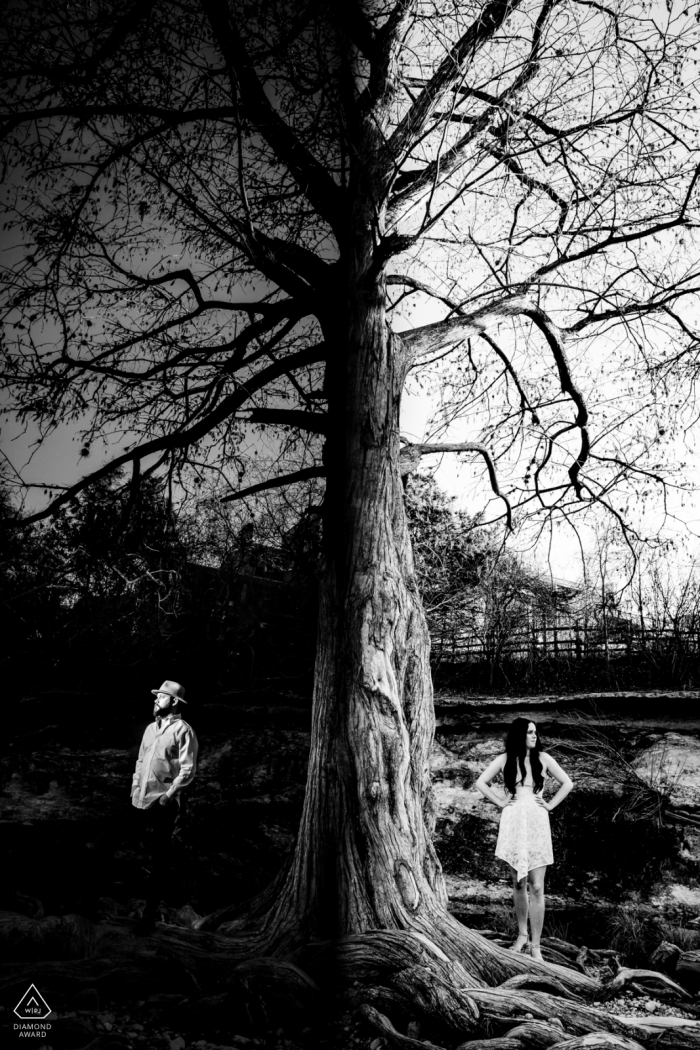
point(96, 586)
point(116, 588)
point(229, 215)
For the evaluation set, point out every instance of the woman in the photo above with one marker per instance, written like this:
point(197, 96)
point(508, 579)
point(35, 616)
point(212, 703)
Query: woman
point(524, 838)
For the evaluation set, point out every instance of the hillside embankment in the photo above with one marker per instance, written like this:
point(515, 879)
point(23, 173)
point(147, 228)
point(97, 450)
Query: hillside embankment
point(66, 817)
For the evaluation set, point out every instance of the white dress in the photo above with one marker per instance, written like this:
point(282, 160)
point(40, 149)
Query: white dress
point(524, 836)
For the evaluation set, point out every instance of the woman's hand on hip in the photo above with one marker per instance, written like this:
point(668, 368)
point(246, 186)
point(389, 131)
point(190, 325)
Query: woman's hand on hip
point(541, 802)
point(507, 802)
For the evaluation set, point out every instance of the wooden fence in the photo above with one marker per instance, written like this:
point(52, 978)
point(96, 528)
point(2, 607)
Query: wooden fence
point(572, 641)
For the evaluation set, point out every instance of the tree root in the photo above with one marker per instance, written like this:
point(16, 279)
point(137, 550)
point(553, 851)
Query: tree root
point(498, 1043)
point(648, 980)
point(133, 978)
point(384, 1026)
point(599, 1041)
point(491, 965)
point(538, 1035)
point(532, 1037)
point(436, 974)
point(540, 983)
point(407, 971)
point(577, 1018)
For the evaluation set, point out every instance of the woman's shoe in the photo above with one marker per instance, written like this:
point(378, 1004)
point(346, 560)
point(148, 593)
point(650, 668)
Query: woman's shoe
point(519, 943)
point(536, 953)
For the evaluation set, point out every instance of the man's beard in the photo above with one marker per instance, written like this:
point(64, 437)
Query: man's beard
point(160, 711)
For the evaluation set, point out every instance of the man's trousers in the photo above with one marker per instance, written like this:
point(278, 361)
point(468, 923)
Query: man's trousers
point(157, 824)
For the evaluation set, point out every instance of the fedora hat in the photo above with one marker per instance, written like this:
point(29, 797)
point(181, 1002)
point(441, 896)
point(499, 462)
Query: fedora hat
point(172, 689)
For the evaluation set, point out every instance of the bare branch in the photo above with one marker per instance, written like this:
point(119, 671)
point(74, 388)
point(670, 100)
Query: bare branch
point(184, 437)
point(311, 176)
point(411, 184)
point(553, 337)
point(449, 72)
point(316, 422)
point(425, 340)
point(411, 456)
point(275, 483)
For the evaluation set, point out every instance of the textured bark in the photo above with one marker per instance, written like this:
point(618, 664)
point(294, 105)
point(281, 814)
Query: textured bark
point(537, 1034)
point(384, 1026)
point(650, 981)
point(600, 1041)
point(364, 857)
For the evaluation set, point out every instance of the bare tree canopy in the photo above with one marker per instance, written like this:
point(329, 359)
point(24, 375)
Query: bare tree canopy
point(180, 184)
point(229, 215)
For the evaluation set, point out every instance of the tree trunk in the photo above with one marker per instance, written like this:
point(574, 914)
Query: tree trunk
point(364, 856)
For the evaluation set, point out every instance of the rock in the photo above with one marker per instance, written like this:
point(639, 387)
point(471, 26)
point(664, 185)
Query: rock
point(665, 957)
point(178, 1043)
point(74, 1032)
point(186, 916)
point(688, 968)
point(673, 761)
point(651, 1006)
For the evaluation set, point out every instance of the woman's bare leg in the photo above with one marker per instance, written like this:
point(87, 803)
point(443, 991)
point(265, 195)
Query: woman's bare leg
point(521, 909)
point(536, 880)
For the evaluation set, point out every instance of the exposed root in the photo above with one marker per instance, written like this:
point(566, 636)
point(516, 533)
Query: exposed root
point(577, 1018)
point(441, 974)
point(384, 1026)
point(649, 980)
point(539, 983)
point(491, 965)
point(404, 971)
point(538, 1035)
point(498, 1043)
point(599, 1041)
point(535, 1035)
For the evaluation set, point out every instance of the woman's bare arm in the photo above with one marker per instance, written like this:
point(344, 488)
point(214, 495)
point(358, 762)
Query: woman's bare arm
point(564, 780)
point(483, 784)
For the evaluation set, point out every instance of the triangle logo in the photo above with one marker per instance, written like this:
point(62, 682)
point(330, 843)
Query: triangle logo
point(32, 1006)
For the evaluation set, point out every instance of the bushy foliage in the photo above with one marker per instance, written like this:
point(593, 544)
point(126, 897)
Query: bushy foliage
point(120, 585)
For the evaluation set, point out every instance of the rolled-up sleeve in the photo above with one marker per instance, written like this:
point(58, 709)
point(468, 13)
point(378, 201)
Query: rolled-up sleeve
point(187, 760)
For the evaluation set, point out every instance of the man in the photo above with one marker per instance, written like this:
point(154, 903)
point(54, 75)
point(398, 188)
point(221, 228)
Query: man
point(166, 764)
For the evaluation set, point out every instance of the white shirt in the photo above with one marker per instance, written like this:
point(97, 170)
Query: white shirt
point(167, 761)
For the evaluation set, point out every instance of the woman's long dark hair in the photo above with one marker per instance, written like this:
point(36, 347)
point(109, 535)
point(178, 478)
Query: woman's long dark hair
point(516, 749)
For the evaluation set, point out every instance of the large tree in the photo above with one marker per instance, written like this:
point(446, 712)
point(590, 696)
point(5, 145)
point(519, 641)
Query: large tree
point(235, 213)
